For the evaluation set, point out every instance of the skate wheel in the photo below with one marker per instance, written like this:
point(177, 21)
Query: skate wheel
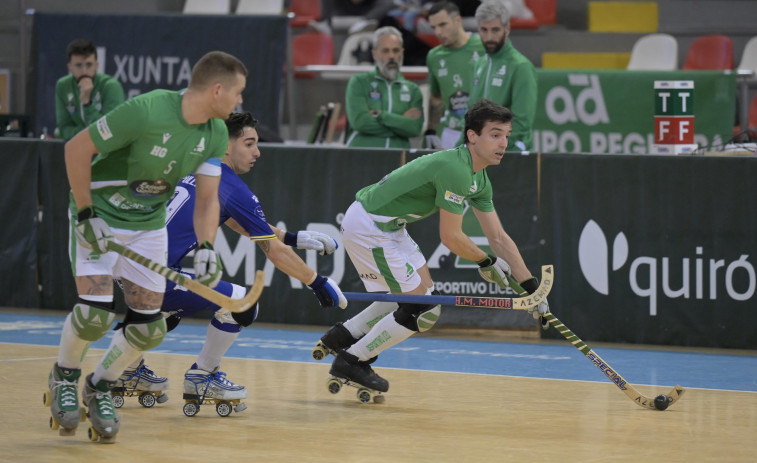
point(54, 424)
point(162, 398)
point(190, 409)
point(146, 399)
point(46, 399)
point(379, 399)
point(334, 386)
point(319, 353)
point(118, 401)
point(240, 408)
point(223, 408)
point(364, 395)
point(66, 432)
point(92, 434)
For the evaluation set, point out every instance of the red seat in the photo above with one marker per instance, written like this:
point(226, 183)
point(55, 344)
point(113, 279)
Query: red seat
point(305, 11)
point(710, 52)
point(545, 11)
point(311, 48)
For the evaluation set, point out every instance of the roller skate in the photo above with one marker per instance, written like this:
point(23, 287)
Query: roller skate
point(100, 411)
point(348, 370)
point(336, 338)
point(211, 388)
point(63, 400)
point(141, 382)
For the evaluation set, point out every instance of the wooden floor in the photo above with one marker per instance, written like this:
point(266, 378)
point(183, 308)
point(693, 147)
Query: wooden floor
point(427, 417)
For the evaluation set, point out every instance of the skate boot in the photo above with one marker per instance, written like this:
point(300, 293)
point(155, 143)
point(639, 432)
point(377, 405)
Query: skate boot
point(63, 400)
point(336, 338)
point(100, 411)
point(348, 370)
point(211, 387)
point(141, 382)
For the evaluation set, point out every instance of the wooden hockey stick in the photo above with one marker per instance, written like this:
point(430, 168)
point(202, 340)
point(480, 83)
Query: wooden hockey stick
point(640, 399)
point(232, 305)
point(507, 303)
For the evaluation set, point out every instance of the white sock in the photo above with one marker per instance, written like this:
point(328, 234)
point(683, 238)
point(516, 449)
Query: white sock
point(72, 348)
point(385, 334)
point(361, 324)
point(120, 354)
point(217, 343)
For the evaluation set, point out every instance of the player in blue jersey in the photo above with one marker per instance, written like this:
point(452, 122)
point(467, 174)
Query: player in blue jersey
point(242, 212)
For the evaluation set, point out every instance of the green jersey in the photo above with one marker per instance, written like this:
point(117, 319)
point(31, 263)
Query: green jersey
point(508, 78)
point(146, 147)
point(71, 116)
point(444, 179)
point(450, 75)
point(370, 91)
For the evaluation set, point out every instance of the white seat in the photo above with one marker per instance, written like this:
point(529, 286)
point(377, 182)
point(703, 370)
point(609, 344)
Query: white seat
point(654, 52)
point(207, 6)
point(260, 7)
point(749, 57)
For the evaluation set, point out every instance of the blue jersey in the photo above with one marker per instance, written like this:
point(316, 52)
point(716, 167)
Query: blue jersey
point(237, 202)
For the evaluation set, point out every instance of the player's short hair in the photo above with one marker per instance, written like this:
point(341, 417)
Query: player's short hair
point(386, 30)
point(484, 111)
point(492, 9)
point(445, 5)
point(80, 47)
point(215, 66)
point(237, 122)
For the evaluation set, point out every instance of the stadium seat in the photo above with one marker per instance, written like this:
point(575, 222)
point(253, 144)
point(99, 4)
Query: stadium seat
point(305, 11)
point(311, 48)
point(207, 7)
point(749, 56)
point(654, 52)
point(710, 52)
point(260, 7)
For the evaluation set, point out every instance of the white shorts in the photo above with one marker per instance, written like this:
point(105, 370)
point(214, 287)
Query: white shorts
point(385, 261)
point(152, 244)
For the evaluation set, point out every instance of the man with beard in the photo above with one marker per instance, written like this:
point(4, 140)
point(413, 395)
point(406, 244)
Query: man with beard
point(449, 75)
point(384, 110)
point(504, 75)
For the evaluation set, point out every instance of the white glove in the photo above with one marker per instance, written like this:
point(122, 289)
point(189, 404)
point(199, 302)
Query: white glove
point(91, 231)
point(208, 267)
point(539, 310)
point(328, 293)
point(316, 241)
point(495, 270)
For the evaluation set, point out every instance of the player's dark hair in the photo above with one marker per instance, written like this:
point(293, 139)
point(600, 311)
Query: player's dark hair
point(237, 122)
point(484, 111)
point(82, 47)
point(215, 66)
point(444, 5)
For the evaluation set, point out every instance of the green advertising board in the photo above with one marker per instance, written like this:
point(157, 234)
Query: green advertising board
point(613, 112)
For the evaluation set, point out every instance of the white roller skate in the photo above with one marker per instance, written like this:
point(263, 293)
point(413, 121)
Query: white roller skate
point(211, 387)
point(100, 411)
point(63, 400)
point(141, 382)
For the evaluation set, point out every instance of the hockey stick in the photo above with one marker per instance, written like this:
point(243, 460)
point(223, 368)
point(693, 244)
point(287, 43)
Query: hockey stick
point(232, 305)
point(640, 399)
point(508, 303)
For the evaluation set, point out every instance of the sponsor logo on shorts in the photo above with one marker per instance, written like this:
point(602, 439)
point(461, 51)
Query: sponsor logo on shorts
point(452, 197)
point(103, 129)
point(144, 188)
point(368, 276)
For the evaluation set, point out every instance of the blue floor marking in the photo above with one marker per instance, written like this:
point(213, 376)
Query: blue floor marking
point(551, 361)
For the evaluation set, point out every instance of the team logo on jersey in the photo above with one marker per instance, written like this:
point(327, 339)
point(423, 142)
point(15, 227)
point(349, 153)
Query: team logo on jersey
point(502, 71)
point(458, 103)
point(475, 56)
point(453, 198)
point(103, 129)
point(166, 137)
point(145, 188)
point(199, 148)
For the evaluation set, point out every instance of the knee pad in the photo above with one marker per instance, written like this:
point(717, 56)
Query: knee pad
point(247, 317)
point(91, 320)
point(144, 331)
point(417, 317)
